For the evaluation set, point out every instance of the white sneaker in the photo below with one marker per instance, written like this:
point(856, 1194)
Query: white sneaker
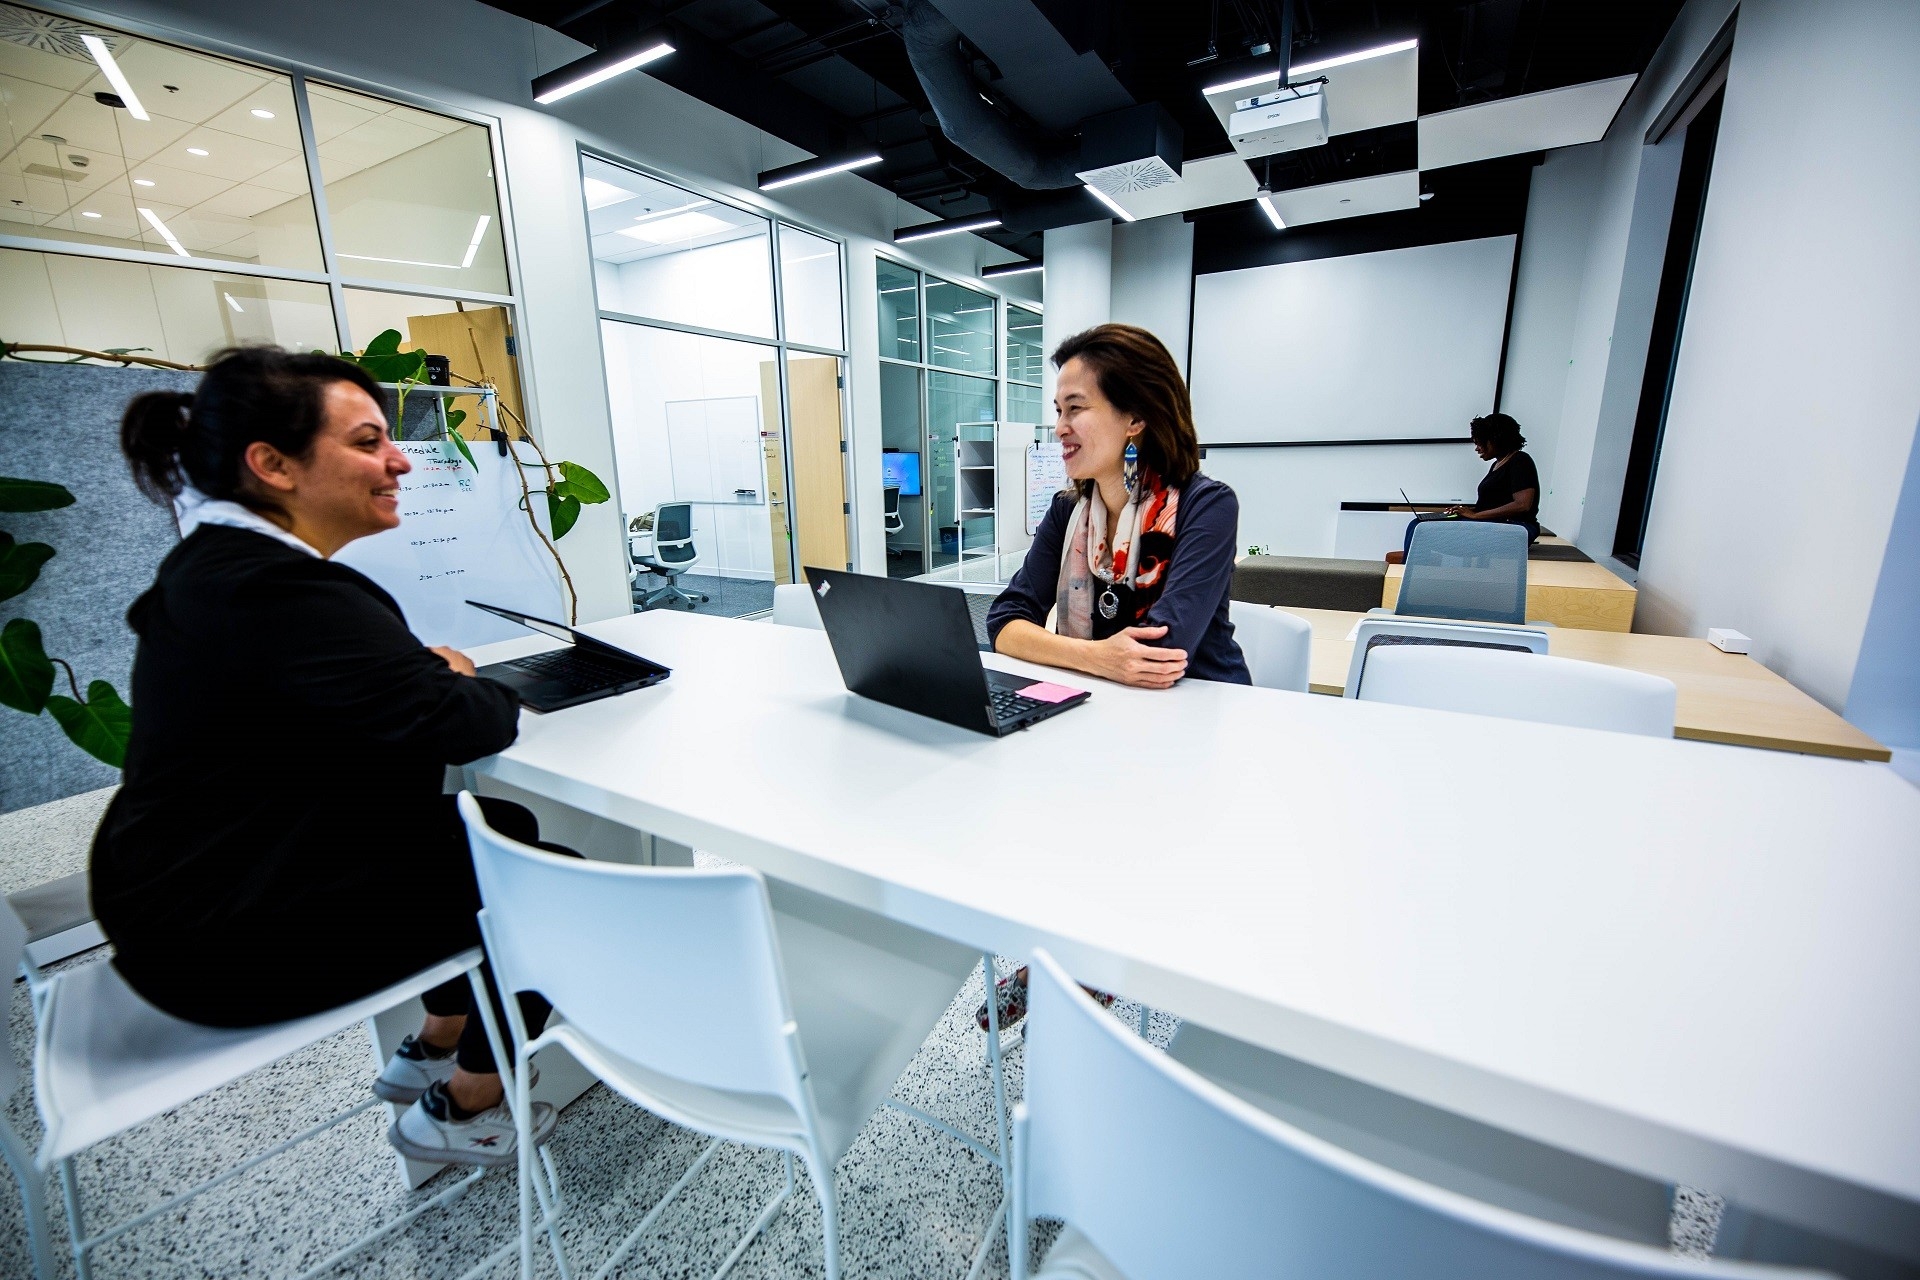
point(427, 1131)
point(413, 1066)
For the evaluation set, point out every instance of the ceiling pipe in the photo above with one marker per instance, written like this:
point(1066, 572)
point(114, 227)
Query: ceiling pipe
point(933, 47)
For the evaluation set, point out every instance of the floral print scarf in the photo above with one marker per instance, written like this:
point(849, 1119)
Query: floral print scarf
point(1090, 570)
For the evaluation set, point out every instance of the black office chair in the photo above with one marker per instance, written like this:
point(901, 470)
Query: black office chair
point(890, 520)
point(673, 554)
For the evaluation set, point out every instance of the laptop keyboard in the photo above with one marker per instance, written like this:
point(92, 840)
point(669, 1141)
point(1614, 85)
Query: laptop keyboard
point(1009, 705)
point(574, 664)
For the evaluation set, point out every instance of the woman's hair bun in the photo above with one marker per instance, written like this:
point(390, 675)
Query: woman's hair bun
point(151, 434)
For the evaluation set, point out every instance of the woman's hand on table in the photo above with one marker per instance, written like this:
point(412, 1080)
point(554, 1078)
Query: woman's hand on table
point(1123, 658)
point(462, 665)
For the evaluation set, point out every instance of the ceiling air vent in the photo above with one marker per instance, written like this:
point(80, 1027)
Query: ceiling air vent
point(1131, 150)
point(1131, 175)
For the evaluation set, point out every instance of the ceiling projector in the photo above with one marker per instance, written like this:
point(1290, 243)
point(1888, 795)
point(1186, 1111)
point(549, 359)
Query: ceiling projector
point(1285, 120)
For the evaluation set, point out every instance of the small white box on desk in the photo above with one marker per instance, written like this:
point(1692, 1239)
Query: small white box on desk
point(1727, 640)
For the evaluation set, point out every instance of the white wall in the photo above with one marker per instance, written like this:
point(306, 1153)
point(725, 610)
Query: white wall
point(1153, 280)
point(1796, 392)
point(1885, 697)
point(481, 60)
point(1079, 288)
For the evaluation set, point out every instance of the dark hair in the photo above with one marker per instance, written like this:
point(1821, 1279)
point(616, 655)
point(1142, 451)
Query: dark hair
point(1501, 433)
point(1139, 378)
point(172, 438)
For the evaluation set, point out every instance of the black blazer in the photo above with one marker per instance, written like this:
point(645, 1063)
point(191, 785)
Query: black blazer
point(283, 788)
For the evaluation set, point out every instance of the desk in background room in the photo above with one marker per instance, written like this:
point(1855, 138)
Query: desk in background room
point(1723, 697)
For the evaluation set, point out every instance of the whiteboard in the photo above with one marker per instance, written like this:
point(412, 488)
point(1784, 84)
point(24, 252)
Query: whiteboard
point(1046, 476)
point(714, 449)
point(462, 536)
point(1394, 345)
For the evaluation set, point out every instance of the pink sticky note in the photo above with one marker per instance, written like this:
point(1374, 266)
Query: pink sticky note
point(1046, 691)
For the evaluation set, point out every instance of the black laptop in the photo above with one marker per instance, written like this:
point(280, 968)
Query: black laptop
point(910, 645)
point(586, 669)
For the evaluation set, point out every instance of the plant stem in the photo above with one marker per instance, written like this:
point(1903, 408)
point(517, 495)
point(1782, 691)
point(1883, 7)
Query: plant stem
point(12, 347)
point(71, 681)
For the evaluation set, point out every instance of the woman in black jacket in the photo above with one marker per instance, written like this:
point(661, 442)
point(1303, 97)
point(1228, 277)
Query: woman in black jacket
point(280, 844)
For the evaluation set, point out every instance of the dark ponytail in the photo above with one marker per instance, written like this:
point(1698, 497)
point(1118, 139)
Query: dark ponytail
point(263, 393)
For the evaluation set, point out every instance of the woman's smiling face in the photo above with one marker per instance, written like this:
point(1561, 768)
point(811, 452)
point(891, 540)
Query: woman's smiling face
point(1093, 434)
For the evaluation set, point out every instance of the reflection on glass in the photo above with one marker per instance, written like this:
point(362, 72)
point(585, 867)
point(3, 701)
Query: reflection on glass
point(810, 288)
point(215, 171)
point(668, 254)
point(902, 470)
point(1026, 350)
point(899, 299)
point(696, 421)
point(475, 338)
point(410, 194)
point(176, 313)
point(1023, 403)
point(959, 328)
point(952, 400)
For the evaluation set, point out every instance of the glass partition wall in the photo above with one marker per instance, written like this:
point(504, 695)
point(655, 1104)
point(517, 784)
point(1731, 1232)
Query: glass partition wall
point(250, 205)
point(724, 341)
point(951, 495)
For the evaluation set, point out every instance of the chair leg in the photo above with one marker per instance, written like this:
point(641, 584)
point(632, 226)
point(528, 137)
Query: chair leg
point(33, 1199)
point(76, 1226)
point(998, 1067)
point(829, 1213)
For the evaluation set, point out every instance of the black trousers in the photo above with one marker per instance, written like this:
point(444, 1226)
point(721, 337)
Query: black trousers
point(455, 998)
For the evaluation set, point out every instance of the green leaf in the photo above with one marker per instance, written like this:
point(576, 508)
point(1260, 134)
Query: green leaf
point(408, 366)
point(100, 726)
point(562, 511)
point(20, 564)
point(578, 482)
point(26, 673)
point(454, 418)
point(32, 495)
point(385, 345)
point(459, 442)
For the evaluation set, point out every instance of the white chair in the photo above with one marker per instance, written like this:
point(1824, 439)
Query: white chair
point(1517, 686)
point(748, 1010)
point(105, 1061)
point(1278, 645)
point(1161, 1175)
point(33, 1198)
point(793, 606)
point(1375, 635)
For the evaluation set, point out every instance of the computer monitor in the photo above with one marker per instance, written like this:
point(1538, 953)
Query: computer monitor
point(900, 471)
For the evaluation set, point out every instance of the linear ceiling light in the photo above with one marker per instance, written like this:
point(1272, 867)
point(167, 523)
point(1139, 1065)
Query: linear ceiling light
point(473, 245)
point(1265, 202)
point(927, 231)
point(115, 76)
point(807, 170)
point(1108, 201)
point(173, 241)
point(595, 68)
point(1310, 68)
point(1011, 269)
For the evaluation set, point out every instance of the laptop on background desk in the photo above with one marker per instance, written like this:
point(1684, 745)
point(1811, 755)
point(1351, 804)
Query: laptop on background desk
point(910, 645)
point(583, 671)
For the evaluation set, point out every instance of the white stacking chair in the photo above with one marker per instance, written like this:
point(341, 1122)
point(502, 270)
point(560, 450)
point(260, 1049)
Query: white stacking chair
point(1278, 645)
point(1522, 686)
point(744, 1009)
point(793, 606)
point(1376, 635)
point(13, 946)
point(105, 1061)
point(1162, 1175)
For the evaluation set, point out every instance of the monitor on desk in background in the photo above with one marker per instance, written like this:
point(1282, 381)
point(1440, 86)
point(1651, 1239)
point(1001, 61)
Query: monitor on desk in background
point(900, 471)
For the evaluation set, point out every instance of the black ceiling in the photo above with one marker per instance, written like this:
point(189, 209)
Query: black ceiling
point(827, 74)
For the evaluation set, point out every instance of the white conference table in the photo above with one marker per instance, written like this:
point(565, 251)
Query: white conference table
point(1698, 963)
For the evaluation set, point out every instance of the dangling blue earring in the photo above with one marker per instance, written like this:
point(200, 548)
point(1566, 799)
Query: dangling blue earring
point(1130, 466)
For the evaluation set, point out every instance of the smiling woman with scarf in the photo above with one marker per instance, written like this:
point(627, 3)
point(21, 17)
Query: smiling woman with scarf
point(1135, 558)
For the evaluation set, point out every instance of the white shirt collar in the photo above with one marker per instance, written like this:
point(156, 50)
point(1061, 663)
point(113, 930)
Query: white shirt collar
point(193, 509)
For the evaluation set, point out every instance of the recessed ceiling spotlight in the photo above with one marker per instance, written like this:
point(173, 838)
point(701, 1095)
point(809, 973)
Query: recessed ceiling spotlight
point(263, 113)
point(196, 151)
point(88, 213)
point(143, 182)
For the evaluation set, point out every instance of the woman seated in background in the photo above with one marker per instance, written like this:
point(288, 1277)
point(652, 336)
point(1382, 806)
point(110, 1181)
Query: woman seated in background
point(1136, 557)
point(1509, 492)
point(280, 844)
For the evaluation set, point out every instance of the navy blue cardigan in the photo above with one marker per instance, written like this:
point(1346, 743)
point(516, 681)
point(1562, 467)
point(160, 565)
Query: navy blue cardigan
point(1193, 604)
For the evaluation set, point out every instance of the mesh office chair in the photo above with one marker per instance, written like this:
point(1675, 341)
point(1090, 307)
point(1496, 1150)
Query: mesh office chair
point(673, 554)
point(1467, 569)
point(890, 519)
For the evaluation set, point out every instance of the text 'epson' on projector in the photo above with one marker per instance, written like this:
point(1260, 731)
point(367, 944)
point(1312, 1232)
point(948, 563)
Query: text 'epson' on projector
point(1284, 120)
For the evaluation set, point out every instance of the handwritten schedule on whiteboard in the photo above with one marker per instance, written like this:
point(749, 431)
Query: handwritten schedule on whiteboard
point(462, 536)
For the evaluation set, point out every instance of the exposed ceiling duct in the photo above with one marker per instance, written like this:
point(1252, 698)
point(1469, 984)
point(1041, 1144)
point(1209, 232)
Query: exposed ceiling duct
point(968, 120)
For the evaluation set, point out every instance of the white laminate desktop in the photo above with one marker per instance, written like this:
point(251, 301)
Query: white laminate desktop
point(1698, 963)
